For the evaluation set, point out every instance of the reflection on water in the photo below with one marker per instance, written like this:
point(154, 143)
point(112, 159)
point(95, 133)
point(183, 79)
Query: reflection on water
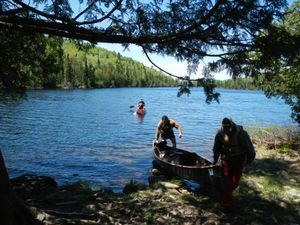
point(12, 97)
point(91, 135)
point(139, 117)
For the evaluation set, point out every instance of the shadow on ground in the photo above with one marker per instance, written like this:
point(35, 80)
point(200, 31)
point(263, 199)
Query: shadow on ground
point(255, 202)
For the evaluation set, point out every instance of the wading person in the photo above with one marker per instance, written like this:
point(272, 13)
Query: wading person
point(234, 147)
point(165, 129)
point(141, 104)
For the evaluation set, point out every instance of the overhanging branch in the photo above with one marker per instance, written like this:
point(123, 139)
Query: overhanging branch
point(104, 17)
point(40, 13)
point(170, 74)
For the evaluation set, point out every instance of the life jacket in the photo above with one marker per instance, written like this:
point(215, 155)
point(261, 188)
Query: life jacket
point(232, 146)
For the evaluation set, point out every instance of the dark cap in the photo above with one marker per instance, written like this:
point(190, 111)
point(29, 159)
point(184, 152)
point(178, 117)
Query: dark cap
point(226, 122)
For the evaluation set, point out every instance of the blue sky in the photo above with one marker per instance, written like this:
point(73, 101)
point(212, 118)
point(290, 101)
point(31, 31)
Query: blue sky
point(167, 63)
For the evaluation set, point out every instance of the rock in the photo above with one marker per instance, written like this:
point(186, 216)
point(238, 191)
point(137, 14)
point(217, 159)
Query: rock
point(254, 184)
point(169, 185)
point(156, 171)
point(283, 204)
point(33, 184)
point(292, 192)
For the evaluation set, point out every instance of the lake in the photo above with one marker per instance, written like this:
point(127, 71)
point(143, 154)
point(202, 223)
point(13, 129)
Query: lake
point(93, 135)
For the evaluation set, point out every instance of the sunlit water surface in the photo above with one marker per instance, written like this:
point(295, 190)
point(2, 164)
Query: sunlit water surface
point(93, 136)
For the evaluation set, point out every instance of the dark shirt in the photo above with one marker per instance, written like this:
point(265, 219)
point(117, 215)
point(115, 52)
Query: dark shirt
point(244, 143)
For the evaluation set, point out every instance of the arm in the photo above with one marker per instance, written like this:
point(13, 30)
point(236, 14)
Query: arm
point(247, 144)
point(157, 132)
point(177, 126)
point(216, 148)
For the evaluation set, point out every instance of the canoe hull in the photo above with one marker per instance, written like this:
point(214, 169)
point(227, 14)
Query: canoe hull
point(186, 165)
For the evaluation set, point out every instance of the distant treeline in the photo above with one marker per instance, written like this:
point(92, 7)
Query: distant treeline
point(97, 67)
point(238, 83)
point(37, 61)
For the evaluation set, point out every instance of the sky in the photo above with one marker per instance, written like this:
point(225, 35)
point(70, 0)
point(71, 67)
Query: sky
point(169, 64)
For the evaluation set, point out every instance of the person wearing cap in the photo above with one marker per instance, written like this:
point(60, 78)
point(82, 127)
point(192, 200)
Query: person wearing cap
point(236, 152)
point(141, 104)
point(165, 129)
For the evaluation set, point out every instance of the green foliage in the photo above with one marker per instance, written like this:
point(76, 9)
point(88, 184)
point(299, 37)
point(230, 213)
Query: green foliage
point(237, 83)
point(281, 77)
point(209, 86)
point(149, 218)
point(28, 60)
point(285, 139)
point(207, 82)
point(97, 67)
point(273, 62)
point(255, 38)
point(35, 61)
point(184, 88)
point(188, 30)
point(132, 187)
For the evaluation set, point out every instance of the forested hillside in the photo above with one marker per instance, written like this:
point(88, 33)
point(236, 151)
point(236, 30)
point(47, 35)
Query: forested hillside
point(35, 61)
point(238, 83)
point(97, 67)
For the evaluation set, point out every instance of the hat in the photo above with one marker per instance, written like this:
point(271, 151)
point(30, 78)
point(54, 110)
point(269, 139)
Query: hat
point(226, 122)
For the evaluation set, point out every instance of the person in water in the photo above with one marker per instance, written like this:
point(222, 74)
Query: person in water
point(165, 129)
point(235, 149)
point(141, 104)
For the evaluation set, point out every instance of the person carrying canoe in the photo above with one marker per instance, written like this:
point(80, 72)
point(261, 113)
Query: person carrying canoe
point(141, 104)
point(234, 146)
point(165, 129)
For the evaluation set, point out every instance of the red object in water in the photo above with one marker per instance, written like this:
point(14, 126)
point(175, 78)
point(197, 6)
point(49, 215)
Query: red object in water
point(140, 111)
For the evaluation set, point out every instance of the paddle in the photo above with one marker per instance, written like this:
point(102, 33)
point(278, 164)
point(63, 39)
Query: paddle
point(132, 106)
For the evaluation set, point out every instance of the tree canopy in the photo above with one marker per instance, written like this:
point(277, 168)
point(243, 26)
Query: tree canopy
point(256, 38)
point(188, 30)
point(275, 65)
point(279, 75)
point(36, 61)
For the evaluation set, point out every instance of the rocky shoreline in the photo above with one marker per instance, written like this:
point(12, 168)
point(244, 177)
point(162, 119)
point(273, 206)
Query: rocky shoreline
point(268, 194)
point(161, 203)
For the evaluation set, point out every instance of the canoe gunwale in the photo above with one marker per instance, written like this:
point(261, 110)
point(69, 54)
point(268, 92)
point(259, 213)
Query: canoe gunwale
point(185, 166)
point(197, 173)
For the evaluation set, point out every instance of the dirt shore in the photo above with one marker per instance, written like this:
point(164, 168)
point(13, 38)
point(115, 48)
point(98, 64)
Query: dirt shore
point(268, 194)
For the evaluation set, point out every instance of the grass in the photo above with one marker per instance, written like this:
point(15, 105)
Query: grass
point(271, 190)
point(275, 137)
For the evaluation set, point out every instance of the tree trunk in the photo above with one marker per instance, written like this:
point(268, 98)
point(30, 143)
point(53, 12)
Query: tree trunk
point(12, 210)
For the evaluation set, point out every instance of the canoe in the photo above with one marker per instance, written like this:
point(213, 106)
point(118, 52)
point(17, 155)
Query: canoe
point(186, 165)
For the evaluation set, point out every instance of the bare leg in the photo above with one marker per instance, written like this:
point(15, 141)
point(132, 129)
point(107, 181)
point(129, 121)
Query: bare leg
point(173, 140)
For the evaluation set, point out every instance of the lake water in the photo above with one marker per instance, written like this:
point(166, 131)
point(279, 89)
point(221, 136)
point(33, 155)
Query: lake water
point(93, 136)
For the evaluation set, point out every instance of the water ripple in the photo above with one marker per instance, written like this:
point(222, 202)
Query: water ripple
point(92, 135)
